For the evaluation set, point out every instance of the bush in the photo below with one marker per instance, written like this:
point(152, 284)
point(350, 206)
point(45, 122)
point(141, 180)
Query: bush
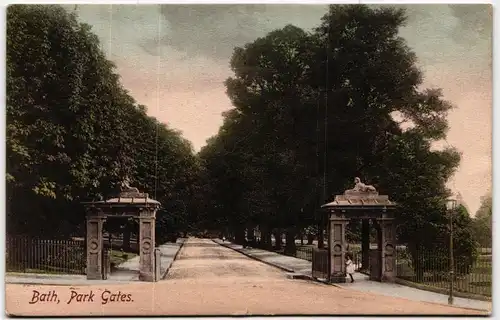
point(432, 252)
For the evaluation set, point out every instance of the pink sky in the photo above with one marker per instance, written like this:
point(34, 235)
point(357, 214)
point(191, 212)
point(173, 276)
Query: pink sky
point(181, 81)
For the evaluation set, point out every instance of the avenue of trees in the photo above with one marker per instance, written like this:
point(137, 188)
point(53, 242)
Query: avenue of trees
point(312, 110)
point(73, 131)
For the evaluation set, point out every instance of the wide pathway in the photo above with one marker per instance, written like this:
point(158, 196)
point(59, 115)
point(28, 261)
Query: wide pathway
point(209, 279)
point(286, 263)
point(304, 267)
point(129, 270)
point(201, 260)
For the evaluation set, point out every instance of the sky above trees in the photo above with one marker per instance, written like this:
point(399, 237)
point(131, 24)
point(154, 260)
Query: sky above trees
point(174, 59)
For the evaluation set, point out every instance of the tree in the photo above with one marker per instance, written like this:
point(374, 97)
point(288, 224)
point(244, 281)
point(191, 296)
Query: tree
point(374, 85)
point(482, 223)
point(313, 110)
point(57, 81)
point(268, 91)
point(464, 244)
point(223, 162)
point(73, 131)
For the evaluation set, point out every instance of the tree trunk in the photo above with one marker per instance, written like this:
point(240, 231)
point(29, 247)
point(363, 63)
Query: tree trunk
point(263, 230)
point(278, 240)
point(110, 241)
point(365, 244)
point(310, 238)
point(251, 235)
point(239, 235)
point(290, 248)
point(126, 238)
point(266, 237)
point(321, 242)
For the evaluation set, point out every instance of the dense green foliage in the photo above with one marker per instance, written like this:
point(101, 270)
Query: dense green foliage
point(312, 110)
point(436, 257)
point(464, 242)
point(73, 131)
point(482, 223)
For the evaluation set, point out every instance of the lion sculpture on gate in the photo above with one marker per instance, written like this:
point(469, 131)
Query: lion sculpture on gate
point(361, 187)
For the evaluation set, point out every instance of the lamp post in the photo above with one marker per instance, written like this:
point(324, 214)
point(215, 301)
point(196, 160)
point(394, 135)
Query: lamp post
point(451, 205)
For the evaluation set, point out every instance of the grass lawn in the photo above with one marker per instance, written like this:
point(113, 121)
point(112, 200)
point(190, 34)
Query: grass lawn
point(48, 270)
point(117, 256)
point(470, 284)
point(478, 281)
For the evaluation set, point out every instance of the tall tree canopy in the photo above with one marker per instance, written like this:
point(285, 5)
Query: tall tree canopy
point(314, 109)
point(73, 131)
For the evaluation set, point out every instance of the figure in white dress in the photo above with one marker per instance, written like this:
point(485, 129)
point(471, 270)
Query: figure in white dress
point(349, 267)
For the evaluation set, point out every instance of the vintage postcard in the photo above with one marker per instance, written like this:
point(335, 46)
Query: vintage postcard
point(248, 159)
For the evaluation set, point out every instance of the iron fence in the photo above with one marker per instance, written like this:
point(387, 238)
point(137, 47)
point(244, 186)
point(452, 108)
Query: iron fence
point(320, 263)
point(35, 255)
point(305, 252)
point(430, 268)
point(433, 269)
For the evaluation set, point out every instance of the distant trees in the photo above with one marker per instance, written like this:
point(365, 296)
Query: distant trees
point(464, 244)
point(482, 223)
point(73, 131)
point(314, 109)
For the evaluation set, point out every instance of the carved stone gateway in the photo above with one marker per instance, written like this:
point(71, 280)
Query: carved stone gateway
point(129, 203)
point(362, 202)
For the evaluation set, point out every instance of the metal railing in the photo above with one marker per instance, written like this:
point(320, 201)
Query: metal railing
point(432, 269)
point(320, 263)
point(306, 253)
point(34, 255)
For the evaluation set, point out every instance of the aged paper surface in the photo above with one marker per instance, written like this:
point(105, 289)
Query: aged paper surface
point(248, 160)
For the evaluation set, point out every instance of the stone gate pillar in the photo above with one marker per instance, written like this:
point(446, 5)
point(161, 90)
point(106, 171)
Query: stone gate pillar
point(361, 202)
point(94, 247)
point(387, 249)
point(147, 245)
point(337, 247)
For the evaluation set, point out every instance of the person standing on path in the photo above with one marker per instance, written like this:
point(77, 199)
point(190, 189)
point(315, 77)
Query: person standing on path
point(349, 267)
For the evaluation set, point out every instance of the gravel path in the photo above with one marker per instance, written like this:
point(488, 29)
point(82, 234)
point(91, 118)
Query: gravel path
point(203, 260)
point(208, 279)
